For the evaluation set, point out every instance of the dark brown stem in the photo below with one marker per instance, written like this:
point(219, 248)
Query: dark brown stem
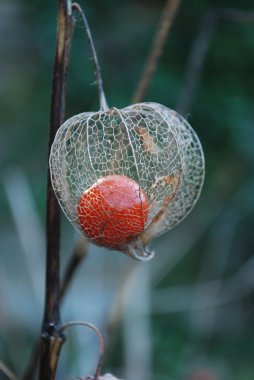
point(51, 337)
point(158, 43)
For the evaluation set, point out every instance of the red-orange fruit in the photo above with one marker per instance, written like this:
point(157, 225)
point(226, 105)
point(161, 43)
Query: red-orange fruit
point(113, 211)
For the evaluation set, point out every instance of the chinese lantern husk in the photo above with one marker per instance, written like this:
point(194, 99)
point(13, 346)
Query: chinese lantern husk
point(146, 142)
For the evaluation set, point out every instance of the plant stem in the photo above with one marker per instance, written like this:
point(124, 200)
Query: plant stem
point(158, 43)
point(103, 102)
point(52, 339)
point(78, 254)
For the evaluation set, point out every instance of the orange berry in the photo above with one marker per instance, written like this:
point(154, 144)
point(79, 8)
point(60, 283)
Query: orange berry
point(113, 211)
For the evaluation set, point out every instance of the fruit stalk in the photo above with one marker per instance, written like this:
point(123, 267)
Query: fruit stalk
point(102, 98)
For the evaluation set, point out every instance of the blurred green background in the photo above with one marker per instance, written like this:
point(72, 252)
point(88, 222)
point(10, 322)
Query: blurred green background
point(187, 315)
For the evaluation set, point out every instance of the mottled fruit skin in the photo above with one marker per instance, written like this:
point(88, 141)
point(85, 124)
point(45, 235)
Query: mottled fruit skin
point(113, 211)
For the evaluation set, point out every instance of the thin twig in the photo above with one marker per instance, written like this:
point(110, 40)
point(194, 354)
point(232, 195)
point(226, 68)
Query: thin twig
point(101, 339)
point(79, 253)
point(229, 14)
point(7, 372)
point(196, 62)
point(52, 339)
point(199, 50)
point(159, 40)
point(103, 102)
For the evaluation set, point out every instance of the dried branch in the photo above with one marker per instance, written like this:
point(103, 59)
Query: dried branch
point(199, 50)
point(158, 43)
point(79, 253)
point(52, 339)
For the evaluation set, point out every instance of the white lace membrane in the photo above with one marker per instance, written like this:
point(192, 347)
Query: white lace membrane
point(146, 142)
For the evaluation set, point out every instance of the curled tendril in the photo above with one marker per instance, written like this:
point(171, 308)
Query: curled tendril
point(101, 340)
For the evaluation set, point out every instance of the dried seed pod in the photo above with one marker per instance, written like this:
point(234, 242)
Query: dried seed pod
point(125, 176)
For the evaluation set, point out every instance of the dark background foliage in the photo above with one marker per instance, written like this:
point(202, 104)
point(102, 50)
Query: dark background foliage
point(215, 339)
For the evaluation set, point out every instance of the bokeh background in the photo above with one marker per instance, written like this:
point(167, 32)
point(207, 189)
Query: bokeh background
point(188, 314)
